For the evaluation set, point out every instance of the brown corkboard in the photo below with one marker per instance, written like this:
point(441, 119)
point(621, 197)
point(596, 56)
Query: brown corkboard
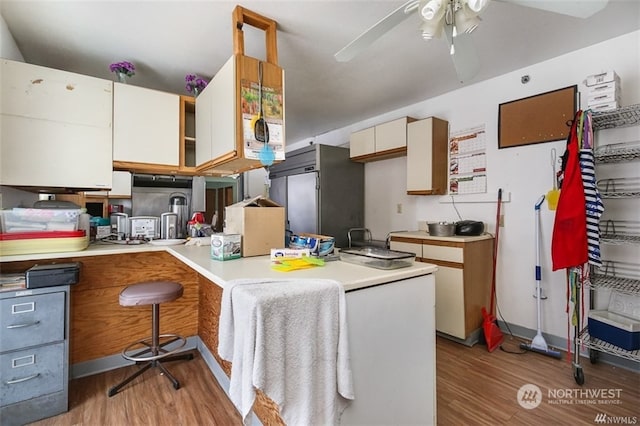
point(536, 119)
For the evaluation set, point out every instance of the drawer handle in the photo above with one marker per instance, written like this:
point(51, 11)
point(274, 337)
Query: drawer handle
point(28, 324)
point(24, 379)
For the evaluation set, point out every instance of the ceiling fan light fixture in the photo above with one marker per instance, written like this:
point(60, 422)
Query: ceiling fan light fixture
point(432, 10)
point(477, 5)
point(466, 20)
point(431, 30)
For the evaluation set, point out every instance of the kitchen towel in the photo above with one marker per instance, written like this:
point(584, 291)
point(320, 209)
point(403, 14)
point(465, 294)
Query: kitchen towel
point(289, 339)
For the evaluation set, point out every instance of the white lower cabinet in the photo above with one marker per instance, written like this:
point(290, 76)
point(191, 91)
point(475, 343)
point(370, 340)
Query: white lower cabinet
point(55, 128)
point(463, 279)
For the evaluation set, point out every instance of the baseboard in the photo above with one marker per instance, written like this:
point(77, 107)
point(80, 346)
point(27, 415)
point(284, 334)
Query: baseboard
point(560, 343)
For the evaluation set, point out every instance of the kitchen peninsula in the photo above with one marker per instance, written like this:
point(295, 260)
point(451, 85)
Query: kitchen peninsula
point(390, 315)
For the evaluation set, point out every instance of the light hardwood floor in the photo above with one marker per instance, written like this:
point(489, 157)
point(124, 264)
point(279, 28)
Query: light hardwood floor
point(474, 387)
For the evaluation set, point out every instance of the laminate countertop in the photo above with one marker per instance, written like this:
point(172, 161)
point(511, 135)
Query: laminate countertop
point(351, 276)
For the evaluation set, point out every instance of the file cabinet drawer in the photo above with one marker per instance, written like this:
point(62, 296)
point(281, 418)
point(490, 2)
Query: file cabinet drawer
point(32, 320)
point(31, 372)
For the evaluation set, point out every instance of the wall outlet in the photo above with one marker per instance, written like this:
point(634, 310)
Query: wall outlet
point(501, 221)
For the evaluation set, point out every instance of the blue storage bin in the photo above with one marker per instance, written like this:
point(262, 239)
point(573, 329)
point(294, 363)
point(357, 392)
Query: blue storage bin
point(618, 330)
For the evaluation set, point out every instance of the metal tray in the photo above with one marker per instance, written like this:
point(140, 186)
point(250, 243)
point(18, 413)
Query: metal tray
point(376, 257)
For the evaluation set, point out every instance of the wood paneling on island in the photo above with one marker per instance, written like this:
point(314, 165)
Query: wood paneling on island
point(210, 303)
point(99, 325)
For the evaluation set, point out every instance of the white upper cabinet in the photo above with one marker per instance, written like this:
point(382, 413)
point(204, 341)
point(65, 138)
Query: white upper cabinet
point(55, 128)
point(386, 140)
point(427, 156)
point(362, 142)
point(146, 126)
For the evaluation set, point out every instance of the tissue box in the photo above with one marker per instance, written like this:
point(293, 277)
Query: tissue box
point(260, 221)
point(225, 246)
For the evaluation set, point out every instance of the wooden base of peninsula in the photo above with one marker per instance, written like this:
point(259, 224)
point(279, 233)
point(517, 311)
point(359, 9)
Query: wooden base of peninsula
point(210, 303)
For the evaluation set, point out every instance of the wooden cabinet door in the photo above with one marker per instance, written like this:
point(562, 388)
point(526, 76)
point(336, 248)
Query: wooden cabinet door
point(145, 125)
point(450, 309)
point(427, 156)
point(56, 128)
point(362, 142)
point(391, 135)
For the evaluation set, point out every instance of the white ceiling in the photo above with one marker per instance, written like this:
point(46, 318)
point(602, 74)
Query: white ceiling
point(168, 39)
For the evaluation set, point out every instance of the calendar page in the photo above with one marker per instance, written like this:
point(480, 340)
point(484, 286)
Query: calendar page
point(468, 161)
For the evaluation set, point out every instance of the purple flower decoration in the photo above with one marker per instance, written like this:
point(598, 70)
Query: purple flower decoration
point(195, 83)
point(123, 67)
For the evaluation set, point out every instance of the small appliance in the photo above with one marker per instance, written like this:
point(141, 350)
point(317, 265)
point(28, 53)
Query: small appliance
point(144, 227)
point(178, 204)
point(168, 225)
point(120, 225)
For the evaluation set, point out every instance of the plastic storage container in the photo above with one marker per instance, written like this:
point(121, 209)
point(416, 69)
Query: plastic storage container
point(378, 258)
point(38, 220)
point(618, 330)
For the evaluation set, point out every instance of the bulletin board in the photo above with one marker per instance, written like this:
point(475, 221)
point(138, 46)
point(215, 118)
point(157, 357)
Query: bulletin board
point(540, 118)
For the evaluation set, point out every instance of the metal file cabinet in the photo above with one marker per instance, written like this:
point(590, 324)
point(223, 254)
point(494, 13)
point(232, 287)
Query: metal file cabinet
point(34, 354)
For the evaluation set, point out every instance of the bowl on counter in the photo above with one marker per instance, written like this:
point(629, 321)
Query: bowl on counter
point(442, 229)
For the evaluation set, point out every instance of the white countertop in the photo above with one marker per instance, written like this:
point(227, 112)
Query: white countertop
point(198, 257)
point(424, 235)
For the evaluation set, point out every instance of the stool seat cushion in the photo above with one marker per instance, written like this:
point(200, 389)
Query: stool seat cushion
point(150, 293)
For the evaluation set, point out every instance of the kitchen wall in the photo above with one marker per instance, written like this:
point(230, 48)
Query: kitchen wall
point(524, 173)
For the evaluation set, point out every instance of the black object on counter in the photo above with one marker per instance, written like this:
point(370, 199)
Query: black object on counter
point(53, 275)
point(469, 228)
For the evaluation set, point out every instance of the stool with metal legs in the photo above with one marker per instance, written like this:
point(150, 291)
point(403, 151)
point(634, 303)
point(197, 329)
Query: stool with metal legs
point(152, 351)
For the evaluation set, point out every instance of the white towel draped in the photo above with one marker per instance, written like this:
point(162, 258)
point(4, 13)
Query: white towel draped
point(289, 339)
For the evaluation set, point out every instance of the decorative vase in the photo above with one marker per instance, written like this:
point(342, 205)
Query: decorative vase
point(122, 77)
point(195, 92)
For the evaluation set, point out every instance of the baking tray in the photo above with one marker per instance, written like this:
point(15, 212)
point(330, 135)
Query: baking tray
point(376, 257)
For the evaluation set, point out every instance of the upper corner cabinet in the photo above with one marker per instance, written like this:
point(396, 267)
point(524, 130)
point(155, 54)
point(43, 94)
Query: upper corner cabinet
point(51, 119)
point(386, 140)
point(244, 93)
point(427, 154)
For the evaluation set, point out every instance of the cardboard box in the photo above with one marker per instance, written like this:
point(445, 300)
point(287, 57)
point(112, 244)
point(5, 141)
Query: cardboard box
point(603, 98)
point(605, 77)
point(610, 87)
point(226, 246)
point(260, 221)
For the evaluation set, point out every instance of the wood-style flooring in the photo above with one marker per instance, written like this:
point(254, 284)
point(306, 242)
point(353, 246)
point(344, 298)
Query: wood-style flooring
point(474, 387)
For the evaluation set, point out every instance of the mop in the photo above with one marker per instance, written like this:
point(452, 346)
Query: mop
point(539, 344)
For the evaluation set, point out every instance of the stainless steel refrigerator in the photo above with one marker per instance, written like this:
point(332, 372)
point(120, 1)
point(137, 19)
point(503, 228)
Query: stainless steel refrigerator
point(322, 191)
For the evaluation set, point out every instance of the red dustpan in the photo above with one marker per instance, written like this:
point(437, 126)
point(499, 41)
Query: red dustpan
point(492, 334)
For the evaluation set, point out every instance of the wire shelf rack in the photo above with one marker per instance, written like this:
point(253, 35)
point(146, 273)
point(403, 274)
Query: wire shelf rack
point(623, 277)
point(620, 232)
point(621, 117)
point(619, 187)
point(617, 152)
point(602, 346)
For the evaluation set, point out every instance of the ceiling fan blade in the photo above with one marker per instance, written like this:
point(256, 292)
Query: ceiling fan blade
point(465, 59)
point(365, 39)
point(575, 8)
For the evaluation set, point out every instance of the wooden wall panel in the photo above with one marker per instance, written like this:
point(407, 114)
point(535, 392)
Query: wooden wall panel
point(99, 325)
point(208, 323)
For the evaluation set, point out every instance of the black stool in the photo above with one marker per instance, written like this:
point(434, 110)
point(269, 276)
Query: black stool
point(151, 350)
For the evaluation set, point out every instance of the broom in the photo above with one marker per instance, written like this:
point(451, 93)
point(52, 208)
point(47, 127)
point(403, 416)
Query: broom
point(492, 334)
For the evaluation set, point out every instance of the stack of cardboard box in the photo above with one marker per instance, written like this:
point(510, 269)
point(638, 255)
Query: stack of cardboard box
point(603, 91)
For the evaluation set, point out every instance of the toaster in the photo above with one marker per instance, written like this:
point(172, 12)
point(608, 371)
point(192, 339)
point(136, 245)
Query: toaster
point(144, 227)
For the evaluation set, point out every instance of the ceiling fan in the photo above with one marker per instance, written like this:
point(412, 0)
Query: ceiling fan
point(457, 19)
